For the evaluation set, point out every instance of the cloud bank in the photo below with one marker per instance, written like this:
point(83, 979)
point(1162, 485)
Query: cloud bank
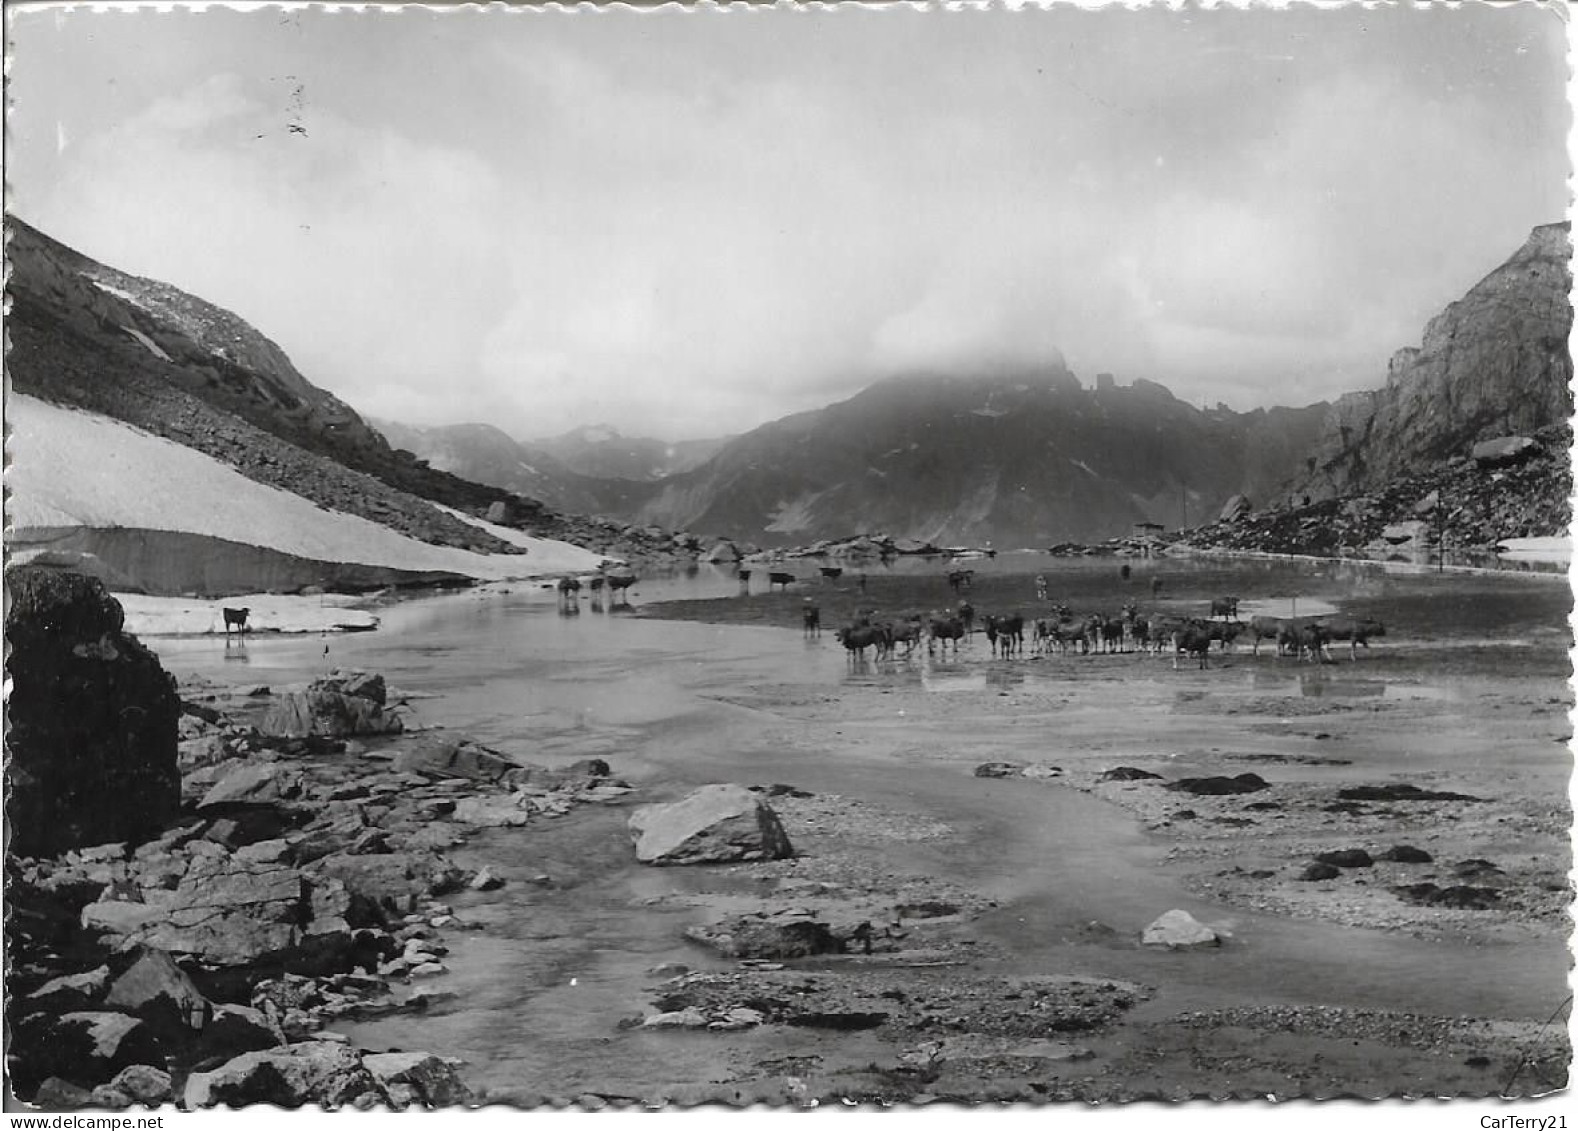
point(686, 224)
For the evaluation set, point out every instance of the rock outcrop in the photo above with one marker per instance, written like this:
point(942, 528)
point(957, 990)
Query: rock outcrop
point(713, 825)
point(1492, 364)
point(1179, 930)
point(336, 706)
point(93, 715)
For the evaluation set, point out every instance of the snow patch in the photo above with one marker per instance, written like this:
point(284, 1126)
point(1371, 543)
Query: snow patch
point(147, 343)
point(181, 616)
point(74, 468)
point(1556, 548)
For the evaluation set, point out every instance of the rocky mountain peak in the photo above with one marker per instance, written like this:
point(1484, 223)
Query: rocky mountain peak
point(1494, 362)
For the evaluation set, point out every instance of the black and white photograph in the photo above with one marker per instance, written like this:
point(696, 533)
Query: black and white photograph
point(911, 558)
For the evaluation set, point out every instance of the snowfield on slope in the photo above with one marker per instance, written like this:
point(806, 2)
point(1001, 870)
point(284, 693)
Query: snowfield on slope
point(74, 468)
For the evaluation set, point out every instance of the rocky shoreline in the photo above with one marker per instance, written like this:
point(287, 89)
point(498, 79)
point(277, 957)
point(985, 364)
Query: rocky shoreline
point(303, 883)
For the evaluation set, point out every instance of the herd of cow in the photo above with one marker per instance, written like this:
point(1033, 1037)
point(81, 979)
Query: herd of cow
point(1304, 638)
point(616, 583)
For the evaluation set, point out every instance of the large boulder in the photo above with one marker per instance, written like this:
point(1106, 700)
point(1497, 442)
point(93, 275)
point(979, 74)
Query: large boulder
point(712, 825)
point(314, 1072)
point(155, 989)
point(88, 1047)
point(259, 783)
point(418, 1078)
point(1503, 450)
point(93, 720)
point(235, 912)
point(1179, 930)
point(337, 706)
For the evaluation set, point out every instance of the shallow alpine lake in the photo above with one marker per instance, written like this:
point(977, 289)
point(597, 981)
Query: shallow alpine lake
point(693, 681)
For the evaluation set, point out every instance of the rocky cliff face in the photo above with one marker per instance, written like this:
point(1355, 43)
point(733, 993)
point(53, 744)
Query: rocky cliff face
point(1493, 363)
point(92, 740)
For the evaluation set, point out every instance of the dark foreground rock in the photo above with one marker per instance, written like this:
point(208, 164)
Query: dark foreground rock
point(300, 884)
point(1220, 786)
point(92, 735)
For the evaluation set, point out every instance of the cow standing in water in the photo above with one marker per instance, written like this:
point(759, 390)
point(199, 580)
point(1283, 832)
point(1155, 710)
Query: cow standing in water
point(1355, 631)
point(944, 629)
point(619, 587)
point(811, 618)
point(1224, 607)
point(236, 618)
point(1041, 587)
point(966, 614)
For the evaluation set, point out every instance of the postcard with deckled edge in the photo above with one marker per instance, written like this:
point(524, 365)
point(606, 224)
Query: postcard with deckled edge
point(768, 557)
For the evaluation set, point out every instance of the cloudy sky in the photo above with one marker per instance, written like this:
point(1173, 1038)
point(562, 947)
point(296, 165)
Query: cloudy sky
point(688, 223)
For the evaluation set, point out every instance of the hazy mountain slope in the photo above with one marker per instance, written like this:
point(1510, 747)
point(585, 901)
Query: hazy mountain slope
point(601, 452)
point(1016, 459)
point(86, 335)
point(1493, 363)
point(167, 363)
point(485, 454)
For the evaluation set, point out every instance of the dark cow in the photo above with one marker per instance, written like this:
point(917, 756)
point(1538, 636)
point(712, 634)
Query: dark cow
point(944, 629)
point(784, 579)
point(1195, 640)
point(598, 582)
point(1010, 630)
point(811, 619)
point(1355, 630)
point(569, 586)
point(1303, 637)
point(237, 619)
point(832, 571)
point(966, 613)
point(620, 583)
point(1224, 607)
point(1227, 632)
point(856, 638)
point(907, 632)
point(960, 579)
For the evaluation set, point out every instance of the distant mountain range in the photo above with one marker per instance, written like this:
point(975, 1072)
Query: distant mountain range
point(1021, 457)
point(1035, 457)
point(571, 472)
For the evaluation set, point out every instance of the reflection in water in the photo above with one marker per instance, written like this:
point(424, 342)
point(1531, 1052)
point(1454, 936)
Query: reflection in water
point(1318, 683)
point(236, 651)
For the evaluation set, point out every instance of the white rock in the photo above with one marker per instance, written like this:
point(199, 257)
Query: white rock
point(1179, 930)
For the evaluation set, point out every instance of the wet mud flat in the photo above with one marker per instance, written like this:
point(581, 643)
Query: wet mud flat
point(945, 934)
